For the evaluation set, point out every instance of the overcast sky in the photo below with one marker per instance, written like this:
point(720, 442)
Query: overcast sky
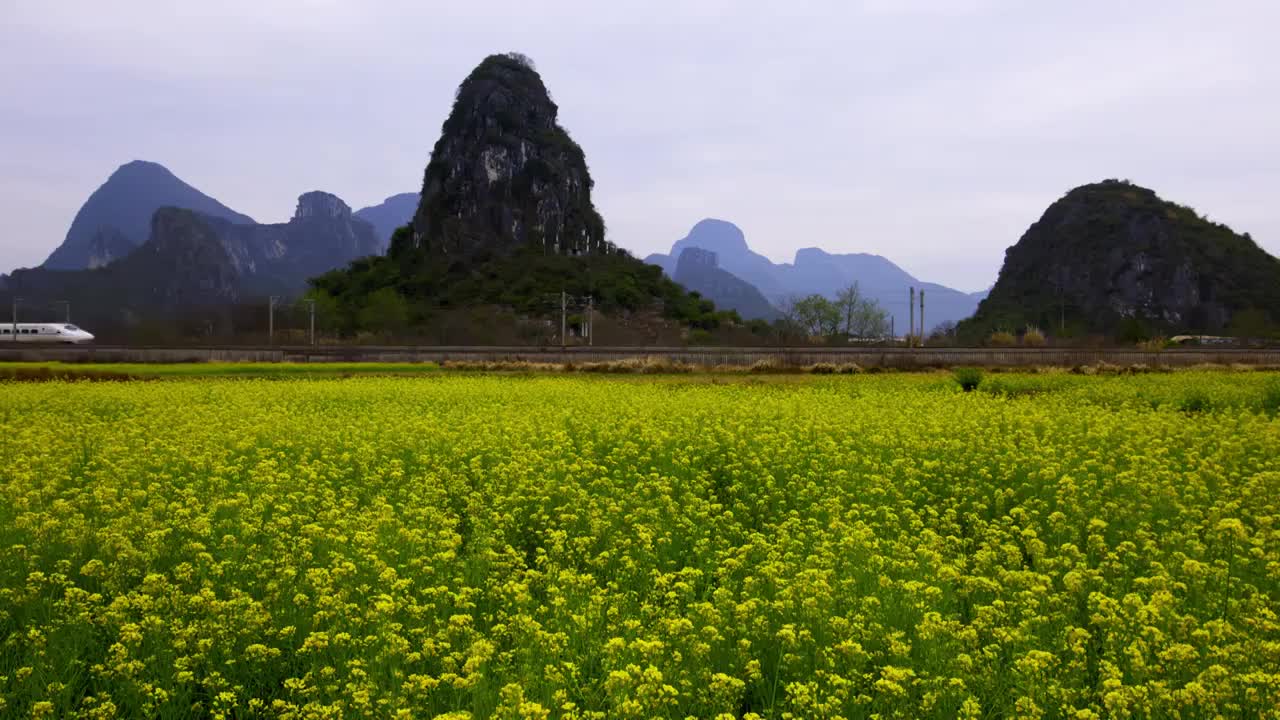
point(932, 133)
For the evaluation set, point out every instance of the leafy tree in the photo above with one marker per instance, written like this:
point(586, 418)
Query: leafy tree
point(329, 316)
point(817, 316)
point(1251, 323)
point(385, 311)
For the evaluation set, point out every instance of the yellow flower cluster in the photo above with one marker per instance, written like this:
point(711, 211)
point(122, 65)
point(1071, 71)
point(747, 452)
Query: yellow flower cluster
point(536, 547)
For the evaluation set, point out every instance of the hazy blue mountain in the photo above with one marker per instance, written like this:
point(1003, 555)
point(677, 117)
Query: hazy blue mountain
point(817, 271)
point(664, 261)
point(697, 270)
point(117, 216)
point(390, 214)
point(730, 246)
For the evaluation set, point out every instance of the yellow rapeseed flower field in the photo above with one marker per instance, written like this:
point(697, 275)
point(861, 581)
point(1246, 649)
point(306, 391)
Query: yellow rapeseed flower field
point(582, 547)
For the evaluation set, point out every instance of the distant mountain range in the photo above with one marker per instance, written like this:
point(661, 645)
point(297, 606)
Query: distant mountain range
point(193, 257)
point(187, 257)
point(817, 271)
point(324, 234)
point(1105, 255)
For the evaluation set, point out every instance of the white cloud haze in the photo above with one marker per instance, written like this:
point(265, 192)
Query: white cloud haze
point(933, 133)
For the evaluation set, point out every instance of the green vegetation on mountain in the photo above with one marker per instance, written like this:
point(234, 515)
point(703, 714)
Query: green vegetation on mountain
point(1114, 259)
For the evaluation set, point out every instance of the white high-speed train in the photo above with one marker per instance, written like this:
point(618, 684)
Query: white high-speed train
point(43, 333)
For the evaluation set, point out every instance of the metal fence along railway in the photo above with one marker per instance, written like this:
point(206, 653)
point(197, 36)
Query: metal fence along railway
point(900, 358)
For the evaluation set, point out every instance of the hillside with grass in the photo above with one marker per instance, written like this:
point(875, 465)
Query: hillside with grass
point(1115, 259)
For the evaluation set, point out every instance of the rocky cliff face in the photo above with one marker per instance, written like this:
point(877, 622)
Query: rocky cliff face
point(117, 216)
point(504, 174)
point(1112, 253)
point(183, 263)
point(699, 270)
point(323, 234)
point(107, 245)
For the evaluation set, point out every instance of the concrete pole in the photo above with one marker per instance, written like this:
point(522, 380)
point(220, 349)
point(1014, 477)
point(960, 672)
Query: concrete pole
point(311, 307)
point(563, 302)
point(591, 321)
point(271, 319)
point(911, 318)
point(15, 318)
point(921, 317)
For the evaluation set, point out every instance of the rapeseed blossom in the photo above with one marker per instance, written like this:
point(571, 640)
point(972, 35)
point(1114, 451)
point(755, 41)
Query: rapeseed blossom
point(480, 546)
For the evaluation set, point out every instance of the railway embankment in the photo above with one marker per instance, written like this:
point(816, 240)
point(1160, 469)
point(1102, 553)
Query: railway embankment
point(784, 357)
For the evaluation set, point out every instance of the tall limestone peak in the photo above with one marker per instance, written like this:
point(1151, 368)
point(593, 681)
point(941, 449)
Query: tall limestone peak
point(319, 204)
point(1112, 255)
point(505, 222)
point(504, 174)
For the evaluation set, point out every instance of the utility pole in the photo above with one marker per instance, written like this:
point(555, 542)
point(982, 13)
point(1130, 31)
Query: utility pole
point(563, 303)
point(921, 317)
point(16, 300)
point(311, 307)
point(591, 321)
point(271, 319)
point(66, 304)
point(911, 318)
point(892, 332)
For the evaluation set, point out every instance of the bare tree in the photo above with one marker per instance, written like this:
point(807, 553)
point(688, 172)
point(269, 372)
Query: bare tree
point(848, 302)
point(861, 316)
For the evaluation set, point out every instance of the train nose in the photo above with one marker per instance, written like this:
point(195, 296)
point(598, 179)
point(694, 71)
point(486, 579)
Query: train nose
point(86, 337)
